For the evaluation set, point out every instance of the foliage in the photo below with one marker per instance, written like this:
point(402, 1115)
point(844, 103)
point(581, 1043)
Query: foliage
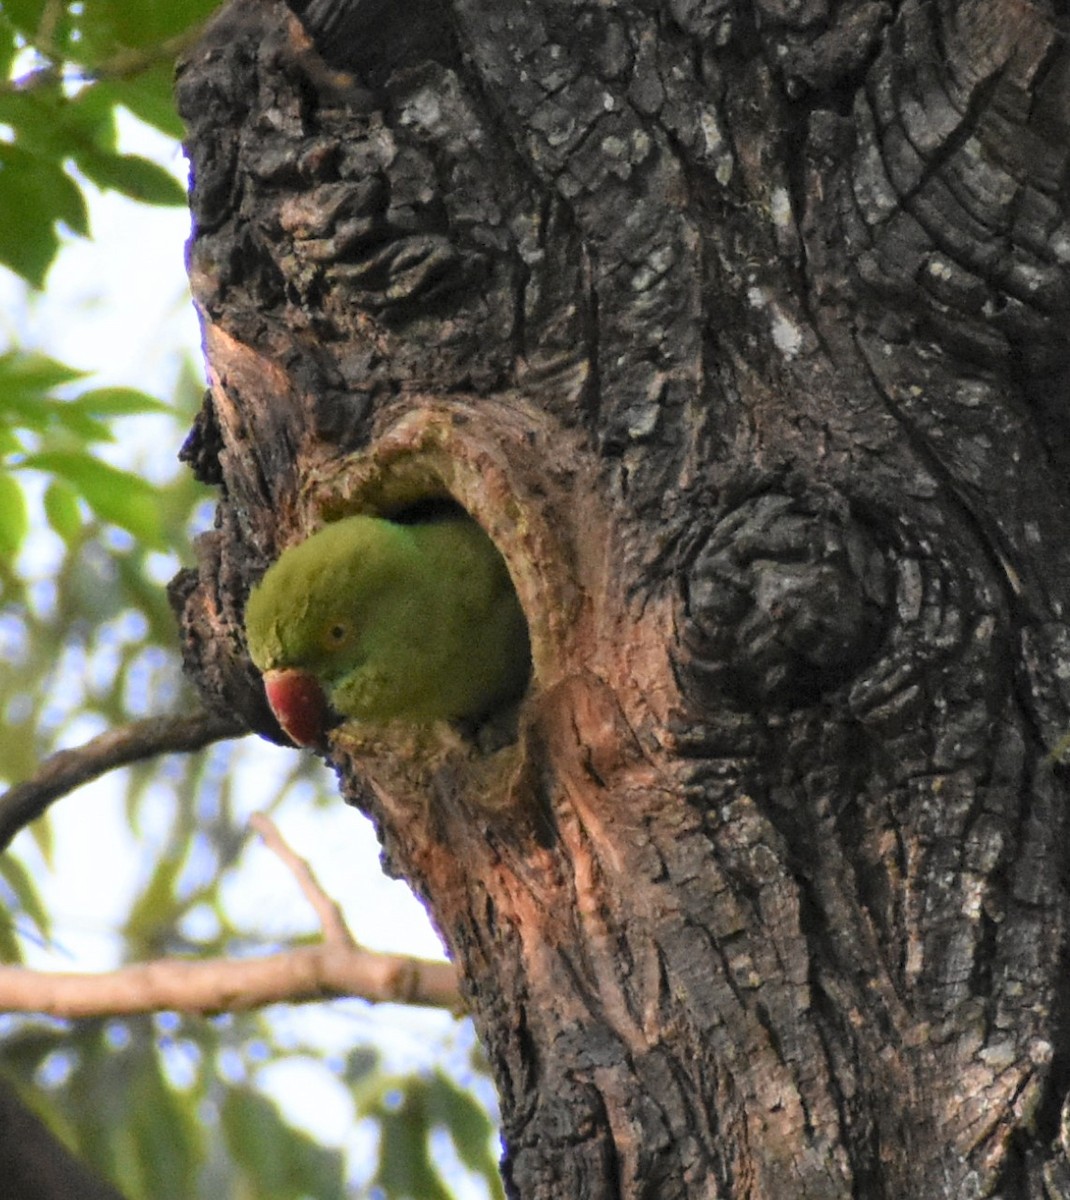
point(85, 630)
point(69, 66)
point(408, 1110)
point(165, 1106)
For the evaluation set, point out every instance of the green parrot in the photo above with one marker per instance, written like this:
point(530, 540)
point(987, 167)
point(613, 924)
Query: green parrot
point(379, 620)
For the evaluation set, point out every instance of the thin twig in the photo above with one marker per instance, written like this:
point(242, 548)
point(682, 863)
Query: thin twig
point(297, 976)
point(69, 769)
point(335, 930)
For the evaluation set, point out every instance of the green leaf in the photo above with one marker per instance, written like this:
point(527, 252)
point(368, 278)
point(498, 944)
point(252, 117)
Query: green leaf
point(90, 121)
point(148, 597)
point(32, 255)
point(25, 15)
point(156, 905)
point(9, 443)
point(63, 511)
point(118, 402)
point(362, 1063)
point(85, 428)
point(81, 415)
point(285, 1163)
point(28, 240)
point(469, 1126)
point(116, 496)
point(168, 1140)
point(54, 127)
point(26, 381)
point(28, 1046)
point(10, 947)
point(33, 374)
point(133, 176)
point(19, 756)
point(8, 47)
point(144, 23)
point(149, 95)
point(18, 879)
point(14, 517)
point(405, 1167)
point(35, 194)
point(41, 830)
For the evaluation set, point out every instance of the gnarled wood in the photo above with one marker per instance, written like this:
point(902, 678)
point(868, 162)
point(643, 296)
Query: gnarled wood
point(741, 327)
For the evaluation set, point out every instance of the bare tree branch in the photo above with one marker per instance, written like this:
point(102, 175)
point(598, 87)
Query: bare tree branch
point(69, 769)
point(294, 976)
point(335, 930)
point(337, 967)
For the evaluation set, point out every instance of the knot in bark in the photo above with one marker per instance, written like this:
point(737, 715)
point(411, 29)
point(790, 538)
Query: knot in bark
point(782, 602)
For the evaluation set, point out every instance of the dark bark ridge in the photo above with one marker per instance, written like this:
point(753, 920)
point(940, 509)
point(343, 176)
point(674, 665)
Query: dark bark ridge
point(742, 330)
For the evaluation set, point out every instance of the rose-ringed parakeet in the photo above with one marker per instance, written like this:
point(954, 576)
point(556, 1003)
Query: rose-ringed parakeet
point(379, 620)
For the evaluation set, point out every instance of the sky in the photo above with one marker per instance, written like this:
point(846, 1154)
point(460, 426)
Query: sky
point(118, 306)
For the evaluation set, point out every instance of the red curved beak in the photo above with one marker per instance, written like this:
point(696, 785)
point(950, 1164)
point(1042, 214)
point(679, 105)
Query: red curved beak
point(299, 704)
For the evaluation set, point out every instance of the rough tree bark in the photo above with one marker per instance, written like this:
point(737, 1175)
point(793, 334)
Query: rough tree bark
point(741, 327)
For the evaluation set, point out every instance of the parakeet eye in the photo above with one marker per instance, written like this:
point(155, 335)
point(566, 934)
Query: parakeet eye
point(336, 634)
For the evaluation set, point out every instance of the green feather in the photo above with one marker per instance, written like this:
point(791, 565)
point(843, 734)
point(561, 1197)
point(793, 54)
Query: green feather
point(412, 621)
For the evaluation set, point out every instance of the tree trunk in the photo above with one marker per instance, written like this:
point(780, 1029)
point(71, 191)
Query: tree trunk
point(742, 329)
point(35, 1164)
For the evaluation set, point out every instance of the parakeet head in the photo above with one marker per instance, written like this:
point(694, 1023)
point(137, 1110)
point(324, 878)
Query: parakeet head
point(307, 620)
point(309, 608)
point(379, 621)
